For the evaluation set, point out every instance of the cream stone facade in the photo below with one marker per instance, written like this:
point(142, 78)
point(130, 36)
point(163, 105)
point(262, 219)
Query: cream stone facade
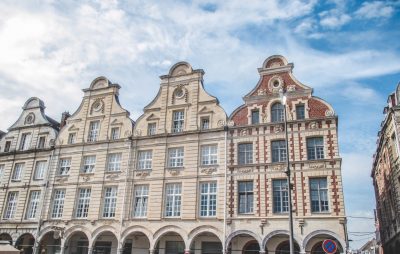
point(185, 178)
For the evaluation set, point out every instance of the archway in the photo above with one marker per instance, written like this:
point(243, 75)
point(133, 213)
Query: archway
point(170, 243)
point(136, 243)
point(105, 243)
point(206, 243)
point(77, 243)
point(243, 242)
point(284, 248)
point(313, 242)
point(6, 237)
point(25, 243)
point(49, 245)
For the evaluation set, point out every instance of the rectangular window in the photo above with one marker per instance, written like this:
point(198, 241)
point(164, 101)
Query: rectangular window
point(140, 201)
point(114, 133)
point(110, 202)
point(40, 170)
point(7, 146)
point(1, 171)
point(174, 247)
point(93, 131)
point(144, 159)
point(205, 123)
point(151, 129)
point(280, 196)
point(65, 165)
point(114, 162)
point(25, 142)
point(178, 121)
point(175, 157)
point(319, 195)
point(11, 206)
point(245, 197)
point(245, 154)
point(41, 143)
point(209, 155)
point(300, 112)
point(17, 174)
point(315, 148)
point(278, 151)
point(34, 200)
point(82, 206)
point(394, 146)
point(255, 116)
point(58, 203)
point(208, 199)
point(89, 163)
point(71, 138)
point(173, 200)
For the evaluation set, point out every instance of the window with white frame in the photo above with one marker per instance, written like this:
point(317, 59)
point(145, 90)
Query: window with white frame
point(205, 123)
point(82, 205)
point(178, 121)
point(319, 195)
point(11, 206)
point(208, 199)
point(144, 159)
point(209, 155)
point(110, 202)
point(64, 166)
point(42, 142)
point(141, 197)
point(114, 133)
point(277, 112)
point(300, 112)
point(315, 148)
point(71, 138)
point(245, 153)
point(33, 205)
point(151, 129)
point(173, 200)
point(94, 128)
point(278, 150)
point(40, 170)
point(280, 196)
point(89, 163)
point(255, 116)
point(58, 203)
point(175, 157)
point(2, 166)
point(246, 194)
point(17, 174)
point(114, 162)
point(25, 141)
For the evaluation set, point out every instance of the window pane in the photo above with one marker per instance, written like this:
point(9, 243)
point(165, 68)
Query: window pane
point(178, 121)
point(319, 195)
point(175, 157)
point(277, 113)
point(245, 155)
point(245, 197)
point(315, 148)
point(255, 116)
point(300, 112)
point(173, 200)
point(278, 151)
point(141, 194)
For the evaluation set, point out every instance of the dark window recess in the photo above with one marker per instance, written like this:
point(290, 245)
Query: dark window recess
point(300, 112)
point(255, 116)
point(42, 141)
point(7, 146)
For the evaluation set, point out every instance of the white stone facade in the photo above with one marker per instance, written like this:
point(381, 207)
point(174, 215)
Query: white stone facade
point(179, 179)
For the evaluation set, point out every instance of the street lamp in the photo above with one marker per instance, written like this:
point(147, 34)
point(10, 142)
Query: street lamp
point(282, 94)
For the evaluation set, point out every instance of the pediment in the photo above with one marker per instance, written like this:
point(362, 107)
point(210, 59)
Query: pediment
point(116, 122)
point(205, 110)
point(73, 128)
point(152, 117)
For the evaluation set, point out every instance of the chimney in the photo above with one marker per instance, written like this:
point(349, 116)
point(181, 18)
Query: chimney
point(64, 118)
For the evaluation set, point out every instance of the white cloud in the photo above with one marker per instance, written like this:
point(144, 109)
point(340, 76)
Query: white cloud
point(375, 9)
point(334, 18)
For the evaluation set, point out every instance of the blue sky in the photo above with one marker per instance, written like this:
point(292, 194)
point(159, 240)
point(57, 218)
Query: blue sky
point(348, 51)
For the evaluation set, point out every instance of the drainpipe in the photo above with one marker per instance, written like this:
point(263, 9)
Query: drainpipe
point(226, 186)
point(124, 196)
point(42, 203)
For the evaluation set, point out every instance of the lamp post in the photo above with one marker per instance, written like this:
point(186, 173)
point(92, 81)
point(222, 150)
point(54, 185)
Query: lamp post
point(282, 94)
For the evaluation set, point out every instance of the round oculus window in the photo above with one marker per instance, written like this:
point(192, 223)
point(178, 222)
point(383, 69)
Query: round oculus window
point(179, 92)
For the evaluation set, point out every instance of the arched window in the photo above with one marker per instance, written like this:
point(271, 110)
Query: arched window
point(284, 248)
point(251, 247)
point(277, 113)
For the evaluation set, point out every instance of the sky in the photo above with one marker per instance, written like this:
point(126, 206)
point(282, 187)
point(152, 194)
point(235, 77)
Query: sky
point(348, 51)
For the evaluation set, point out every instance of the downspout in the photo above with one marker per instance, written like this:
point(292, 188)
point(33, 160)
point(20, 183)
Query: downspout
point(125, 190)
point(226, 186)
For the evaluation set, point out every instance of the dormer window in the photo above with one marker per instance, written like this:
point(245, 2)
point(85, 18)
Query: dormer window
point(205, 123)
point(277, 113)
point(114, 133)
point(178, 121)
point(7, 146)
point(255, 116)
point(93, 131)
point(151, 129)
point(300, 114)
point(71, 138)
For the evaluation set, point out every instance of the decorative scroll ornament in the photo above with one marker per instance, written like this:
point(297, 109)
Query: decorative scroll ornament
point(127, 133)
point(262, 92)
point(278, 167)
point(244, 132)
point(112, 176)
point(316, 165)
point(138, 132)
point(142, 174)
point(30, 118)
point(313, 125)
point(278, 128)
point(245, 170)
point(222, 123)
point(291, 88)
point(329, 112)
point(86, 178)
point(174, 172)
point(208, 171)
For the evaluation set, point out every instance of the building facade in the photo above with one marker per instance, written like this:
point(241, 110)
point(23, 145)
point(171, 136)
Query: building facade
point(185, 177)
point(386, 177)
